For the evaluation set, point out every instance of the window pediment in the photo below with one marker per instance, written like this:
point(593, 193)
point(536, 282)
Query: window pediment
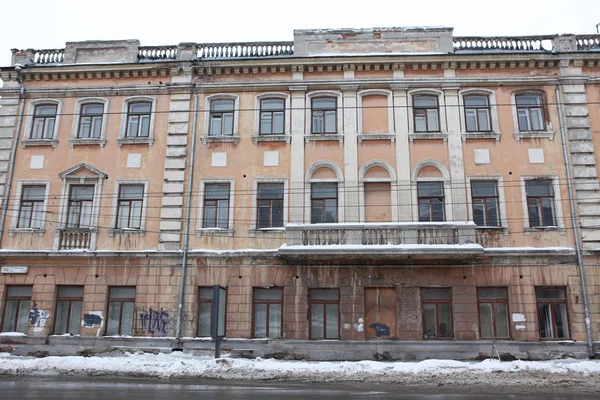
point(83, 171)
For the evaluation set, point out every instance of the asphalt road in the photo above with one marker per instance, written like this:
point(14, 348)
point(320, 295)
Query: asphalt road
point(109, 389)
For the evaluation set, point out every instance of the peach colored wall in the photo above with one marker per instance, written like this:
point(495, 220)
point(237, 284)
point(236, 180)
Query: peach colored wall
point(378, 202)
point(373, 74)
point(375, 114)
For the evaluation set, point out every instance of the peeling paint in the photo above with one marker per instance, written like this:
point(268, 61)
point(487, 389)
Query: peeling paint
point(360, 326)
point(520, 327)
point(518, 318)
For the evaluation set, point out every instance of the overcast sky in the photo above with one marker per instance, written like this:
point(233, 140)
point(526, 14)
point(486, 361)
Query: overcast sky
point(45, 24)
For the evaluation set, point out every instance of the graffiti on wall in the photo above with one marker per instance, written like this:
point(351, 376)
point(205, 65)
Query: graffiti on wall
point(37, 318)
point(157, 322)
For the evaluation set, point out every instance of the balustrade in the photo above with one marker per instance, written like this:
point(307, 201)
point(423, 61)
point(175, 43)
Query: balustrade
point(72, 239)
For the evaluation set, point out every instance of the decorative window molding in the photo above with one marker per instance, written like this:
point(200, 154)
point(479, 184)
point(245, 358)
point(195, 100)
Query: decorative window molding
point(308, 180)
point(445, 179)
point(442, 133)
point(560, 223)
point(14, 229)
point(547, 133)
point(286, 135)
point(235, 136)
point(339, 134)
point(200, 230)
point(501, 199)
point(113, 230)
point(75, 140)
point(27, 140)
point(391, 179)
point(253, 218)
point(390, 134)
point(494, 132)
point(123, 139)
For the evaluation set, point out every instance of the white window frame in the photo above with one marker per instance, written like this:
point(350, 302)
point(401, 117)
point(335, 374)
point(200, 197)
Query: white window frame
point(391, 134)
point(235, 136)
point(558, 211)
point(501, 200)
point(253, 220)
point(17, 208)
point(26, 136)
point(113, 221)
point(200, 230)
point(391, 179)
point(443, 133)
point(339, 135)
point(309, 180)
point(123, 127)
point(74, 140)
point(495, 124)
point(445, 179)
point(257, 137)
point(548, 133)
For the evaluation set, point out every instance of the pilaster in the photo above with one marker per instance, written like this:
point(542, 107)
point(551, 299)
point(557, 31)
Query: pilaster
point(296, 195)
point(350, 153)
point(400, 93)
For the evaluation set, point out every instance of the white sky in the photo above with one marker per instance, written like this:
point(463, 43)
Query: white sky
point(44, 24)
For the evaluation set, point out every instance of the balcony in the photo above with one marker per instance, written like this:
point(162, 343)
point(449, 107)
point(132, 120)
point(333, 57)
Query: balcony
point(385, 241)
point(75, 239)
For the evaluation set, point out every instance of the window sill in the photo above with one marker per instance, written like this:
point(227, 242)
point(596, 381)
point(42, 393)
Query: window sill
point(428, 136)
point(480, 135)
point(126, 232)
point(528, 231)
point(39, 142)
point(214, 232)
point(376, 136)
point(134, 140)
point(32, 231)
point(325, 137)
point(87, 142)
point(220, 139)
point(492, 229)
point(534, 135)
point(271, 138)
point(266, 231)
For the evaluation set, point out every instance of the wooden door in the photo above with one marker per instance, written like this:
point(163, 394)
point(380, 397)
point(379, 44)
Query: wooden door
point(380, 313)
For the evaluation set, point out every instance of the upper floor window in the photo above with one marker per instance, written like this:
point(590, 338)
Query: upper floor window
point(216, 205)
point(79, 212)
point(530, 112)
point(324, 115)
point(323, 202)
point(540, 203)
point(44, 120)
point(270, 205)
point(31, 209)
point(426, 113)
point(90, 121)
point(477, 113)
point(272, 116)
point(129, 207)
point(138, 119)
point(485, 203)
point(221, 117)
point(430, 197)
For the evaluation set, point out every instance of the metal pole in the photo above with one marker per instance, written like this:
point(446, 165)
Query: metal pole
point(588, 322)
point(186, 230)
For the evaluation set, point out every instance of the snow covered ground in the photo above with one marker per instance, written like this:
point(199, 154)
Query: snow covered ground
point(432, 372)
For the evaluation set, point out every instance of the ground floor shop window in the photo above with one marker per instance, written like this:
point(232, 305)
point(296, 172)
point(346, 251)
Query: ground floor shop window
point(268, 306)
point(437, 313)
point(121, 303)
point(324, 313)
point(16, 309)
point(493, 313)
point(68, 310)
point(552, 312)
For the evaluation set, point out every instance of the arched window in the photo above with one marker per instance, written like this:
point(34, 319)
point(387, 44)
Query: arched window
point(324, 185)
point(431, 192)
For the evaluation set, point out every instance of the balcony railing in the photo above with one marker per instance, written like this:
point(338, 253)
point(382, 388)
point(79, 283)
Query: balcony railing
point(245, 50)
point(503, 44)
point(74, 239)
point(157, 53)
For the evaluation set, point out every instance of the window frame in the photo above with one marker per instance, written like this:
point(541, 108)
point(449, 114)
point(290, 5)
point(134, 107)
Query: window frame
point(487, 108)
point(120, 201)
point(430, 204)
point(493, 302)
point(339, 120)
point(272, 118)
point(20, 207)
point(254, 218)
point(325, 110)
point(558, 211)
point(212, 113)
point(207, 301)
point(19, 299)
point(485, 202)
point(444, 179)
point(131, 114)
point(501, 199)
point(200, 228)
point(235, 136)
point(120, 300)
point(494, 132)
point(416, 108)
point(547, 130)
point(312, 301)
point(77, 117)
point(113, 230)
point(268, 320)
point(309, 179)
point(44, 119)
point(528, 110)
point(70, 202)
point(70, 300)
point(551, 302)
point(124, 129)
point(323, 200)
point(437, 302)
point(27, 140)
point(217, 205)
point(270, 200)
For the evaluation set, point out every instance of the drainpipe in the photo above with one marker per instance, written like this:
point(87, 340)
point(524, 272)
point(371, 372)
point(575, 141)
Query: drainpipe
point(11, 166)
point(186, 229)
point(588, 322)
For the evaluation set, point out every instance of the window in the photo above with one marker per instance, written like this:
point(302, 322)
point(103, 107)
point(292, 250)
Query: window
point(324, 313)
point(90, 121)
point(430, 197)
point(272, 116)
point(121, 302)
point(270, 205)
point(138, 119)
point(205, 298)
point(44, 119)
point(32, 207)
point(221, 117)
point(477, 113)
point(437, 313)
point(129, 207)
point(16, 309)
point(323, 203)
point(493, 313)
point(426, 113)
point(485, 203)
point(540, 203)
point(324, 115)
point(552, 312)
point(79, 213)
point(68, 310)
point(268, 306)
point(216, 206)
point(530, 113)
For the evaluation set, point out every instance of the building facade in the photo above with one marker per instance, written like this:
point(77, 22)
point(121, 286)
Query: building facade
point(394, 193)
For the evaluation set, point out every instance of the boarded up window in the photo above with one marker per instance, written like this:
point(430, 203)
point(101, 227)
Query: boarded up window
point(378, 206)
point(375, 114)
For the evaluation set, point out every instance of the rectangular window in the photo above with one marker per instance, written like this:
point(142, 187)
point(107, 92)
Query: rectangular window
point(485, 203)
point(324, 306)
point(493, 313)
point(324, 115)
point(44, 119)
point(431, 201)
point(16, 308)
point(31, 207)
point(268, 307)
point(540, 203)
point(216, 205)
point(269, 205)
point(221, 117)
point(437, 313)
point(121, 303)
point(68, 310)
point(90, 121)
point(323, 203)
point(129, 206)
point(426, 114)
point(205, 301)
point(552, 312)
point(79, 213)
point(530, 112)
point(477, 113)
point(138, 119)
point(272, 116)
